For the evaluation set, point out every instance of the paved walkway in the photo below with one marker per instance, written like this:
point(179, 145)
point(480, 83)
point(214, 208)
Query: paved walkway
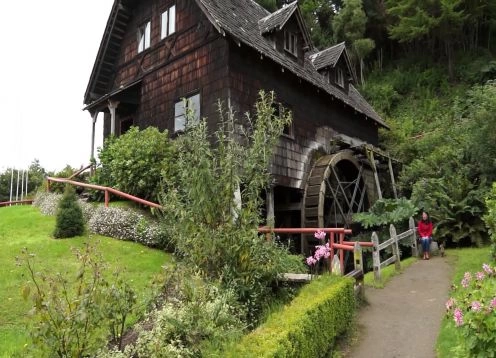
point(403, 319)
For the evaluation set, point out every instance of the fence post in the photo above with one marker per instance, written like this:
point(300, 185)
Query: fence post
point(358, 262)
point(396, 249)
point(106, 198)
point(331, 248)
point(48, 186)
point(376, 257)
point(411, 226)
point(357, 256)
point(341, 252)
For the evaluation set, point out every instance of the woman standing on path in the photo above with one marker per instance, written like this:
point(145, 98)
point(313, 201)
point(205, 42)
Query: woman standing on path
point(425, 231)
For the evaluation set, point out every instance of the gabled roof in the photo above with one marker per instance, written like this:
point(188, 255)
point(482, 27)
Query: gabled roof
point(327, 57)
point(277, 19)
point(240, 20)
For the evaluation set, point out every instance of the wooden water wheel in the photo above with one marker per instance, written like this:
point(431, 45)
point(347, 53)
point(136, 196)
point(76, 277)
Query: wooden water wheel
point(335, 190)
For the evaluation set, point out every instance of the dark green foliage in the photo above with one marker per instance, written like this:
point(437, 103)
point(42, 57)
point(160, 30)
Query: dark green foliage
point(490, 218)
point(455, 206)
point(135, 161)
point(308, 326)
point(387, 211)
point(70, 220)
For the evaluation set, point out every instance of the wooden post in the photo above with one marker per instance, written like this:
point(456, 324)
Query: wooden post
point(394, 244)
point(393, 183)
point(376, 257)
point(341, 252)
point(411, 226)
point(358, 263)
point(331, 248)
point(48, 185)
point(106, 198)
point(370, 155)
point(357, 256)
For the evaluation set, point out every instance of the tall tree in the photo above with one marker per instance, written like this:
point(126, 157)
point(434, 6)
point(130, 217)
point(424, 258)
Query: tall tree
point(349, 25)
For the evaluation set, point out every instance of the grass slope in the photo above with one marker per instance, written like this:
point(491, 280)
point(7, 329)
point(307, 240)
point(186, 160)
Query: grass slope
point(24, 226)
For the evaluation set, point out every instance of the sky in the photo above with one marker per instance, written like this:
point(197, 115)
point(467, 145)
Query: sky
point(47, 53)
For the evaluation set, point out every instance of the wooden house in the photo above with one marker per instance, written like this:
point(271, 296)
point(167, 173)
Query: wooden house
point(155, 52)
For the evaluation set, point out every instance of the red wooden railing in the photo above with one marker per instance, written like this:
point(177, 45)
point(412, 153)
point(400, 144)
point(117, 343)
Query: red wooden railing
point(106, 190)
point(22, 202)
point(333, 245)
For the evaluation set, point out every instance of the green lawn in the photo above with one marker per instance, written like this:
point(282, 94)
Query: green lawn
point(24, 226)
point(463, 260)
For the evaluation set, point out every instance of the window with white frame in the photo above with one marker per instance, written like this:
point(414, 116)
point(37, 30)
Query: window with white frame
point(144, 36)
point(168, 22)
point(291, 43)
point(339, 77)
point(181, 107)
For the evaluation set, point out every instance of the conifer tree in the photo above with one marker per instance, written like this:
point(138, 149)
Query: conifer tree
point(70, 221)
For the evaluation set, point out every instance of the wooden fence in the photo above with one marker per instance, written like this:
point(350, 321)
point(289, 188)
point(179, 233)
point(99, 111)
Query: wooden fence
point(409, 235)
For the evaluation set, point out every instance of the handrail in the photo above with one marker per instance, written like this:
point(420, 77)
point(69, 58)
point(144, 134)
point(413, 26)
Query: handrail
point(341, 244)
point(7, 203)
point(80, 171)
point(106, 190)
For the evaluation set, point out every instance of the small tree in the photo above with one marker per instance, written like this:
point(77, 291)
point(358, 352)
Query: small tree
point(70, 220)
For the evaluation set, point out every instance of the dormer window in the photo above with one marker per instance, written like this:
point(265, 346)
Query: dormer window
point(168, 22)
point(340, 77)
point(144, 37)
point(291, 43)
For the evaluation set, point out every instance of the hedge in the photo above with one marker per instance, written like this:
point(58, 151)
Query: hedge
point(308, 326)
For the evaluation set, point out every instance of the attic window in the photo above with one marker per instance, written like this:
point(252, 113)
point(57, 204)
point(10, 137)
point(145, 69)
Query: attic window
point(340, 77)
point(168, 22)
point(181, 107)
point(144, 37)
point(291, 43)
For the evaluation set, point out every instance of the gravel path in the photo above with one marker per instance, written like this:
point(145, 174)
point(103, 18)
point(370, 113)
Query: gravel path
point(403, 319)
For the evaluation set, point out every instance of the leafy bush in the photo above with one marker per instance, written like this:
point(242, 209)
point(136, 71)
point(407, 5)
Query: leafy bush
point(70, 316)
point(211, 232)
point(70, 220)
point(134, 162)
point(308, 326)
point(472, 307)
point(455, 207)
point(387, 211)
point(126, 224)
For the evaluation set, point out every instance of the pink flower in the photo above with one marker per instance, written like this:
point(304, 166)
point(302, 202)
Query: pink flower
point(487, 268)
point(320, 235)
point(467, 276)
point(311, 261)
point(476, 306)
point(465, 283)
point(450, 303)
point(322, 252)
point(493, 303)
point(458, 317)
point(480, 276)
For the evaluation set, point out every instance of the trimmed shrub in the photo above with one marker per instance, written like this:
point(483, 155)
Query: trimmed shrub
point(70, 221)
point(308, 326)
point(125, 224)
